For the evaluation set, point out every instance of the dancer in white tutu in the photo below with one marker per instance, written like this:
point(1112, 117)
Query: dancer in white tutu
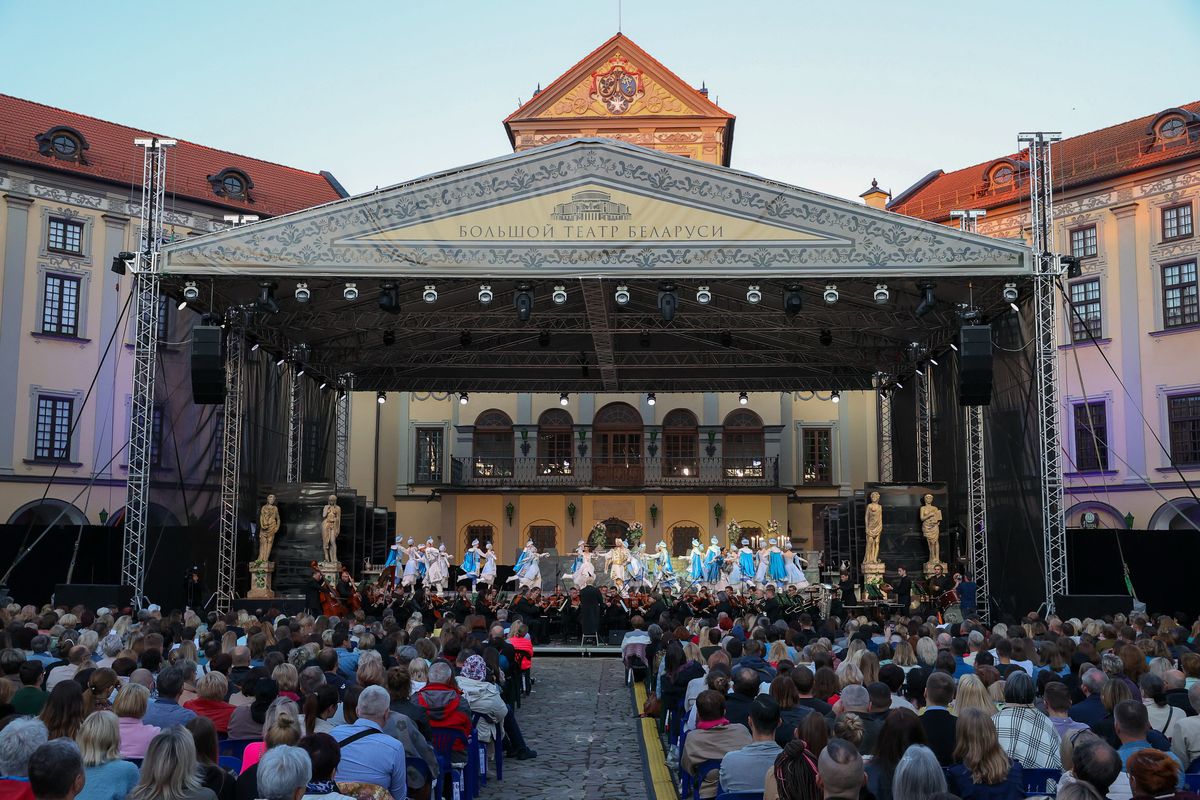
point(794, 565)
point(487, 573)
point(762, 563)
point(412, 569)
point(527, 572)
point(437, 568)
point(637, 566)
point(583, 572)
point(660, 568)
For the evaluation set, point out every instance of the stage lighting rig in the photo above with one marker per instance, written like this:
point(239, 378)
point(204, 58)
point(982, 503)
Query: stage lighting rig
point(389, 298)
point(485, 294)
point(523, 301)
point(430, 293)
point(831, 294)
point(350, 291)
point(753, 294)
point(881, 294)
point(793, 301)
point(668, 301)
point(703, 295)
point(266, 298)
point(559, 295)
point(622, 295)
point(928, 300)
point(302, 294)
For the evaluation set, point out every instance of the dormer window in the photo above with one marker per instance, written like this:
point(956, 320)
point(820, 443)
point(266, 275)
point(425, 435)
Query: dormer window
point(63, 143)
point(232, 183)
point(1002, 175)
point(1171, 128)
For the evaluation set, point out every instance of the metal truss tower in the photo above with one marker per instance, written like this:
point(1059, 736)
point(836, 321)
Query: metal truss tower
point(231, 462)
point(145, 356)
point(977, 544)
point(341, 459)
point(295, 423)
point(924, 427)
point(1046, 274)
point(883, 400)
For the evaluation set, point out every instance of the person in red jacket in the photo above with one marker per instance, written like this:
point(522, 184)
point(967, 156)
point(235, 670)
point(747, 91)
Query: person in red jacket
point(444, 703)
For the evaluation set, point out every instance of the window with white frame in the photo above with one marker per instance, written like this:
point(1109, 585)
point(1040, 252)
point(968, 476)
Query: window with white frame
point(1177, 221)
point(64, 236)
point(1086, 314)
point(1083, 242)
point(60, 305)
point(816, 448)
point(1181, 305)
point(52, 428)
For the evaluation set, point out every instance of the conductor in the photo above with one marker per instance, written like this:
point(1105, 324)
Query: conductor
point(590, 601)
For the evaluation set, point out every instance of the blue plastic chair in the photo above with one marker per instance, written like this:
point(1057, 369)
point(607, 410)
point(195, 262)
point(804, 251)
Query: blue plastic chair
point(234, 747)
point(137, 762)
point(230, 763)
point(479, 747)
point(444, 741)
point(723, 795)
point(685, 779)
point(420, 766)
point(1040, 782)
point(1191, 782)
point(702, 770)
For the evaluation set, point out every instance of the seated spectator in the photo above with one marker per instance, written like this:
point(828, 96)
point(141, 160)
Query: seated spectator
point(753, 658)
point(281, 725)
point(1132, 724)
point(319, 708)
point(1091, 709)
point(856, 700)
point(892, 676)
point(324, 755)
point(483, 697)
point(210, 701)
point(1119, 788)
point(56, 771)
point(130, 708)
point(1096, 764)
point(719, 681)
point(165, 711)
point(746, 686)
point(840, 767)
point(1162, 715)
point(814, 732)
point(287, 678)
point(901, 729)
point(743, 770)
point(102, 686)
point(399, 686)
point(108, 776)
point(794, 774)
point(246, 722)
point(1057, 699)
point(791, 713)
point(30, 698)
point(804, 679)
point(77, 659)
point(971, 693)
point(918, 775)
point(284, 773)
point(40, 647)
point(169, 769)
point(18, 741)
point(443, 702)
point(982, 769)
point(1155, 774)
point(221, 781)
point(1025, 733)
point(63, 712)
point(367, 754)
point(713, 738)
point(1185, 742)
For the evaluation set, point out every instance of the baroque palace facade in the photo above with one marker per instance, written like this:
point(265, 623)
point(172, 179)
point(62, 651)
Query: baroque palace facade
point(71, 189)
point(514, 467)
point(1125, 204)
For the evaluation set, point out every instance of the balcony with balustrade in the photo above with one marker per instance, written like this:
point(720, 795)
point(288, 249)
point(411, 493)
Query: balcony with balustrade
point(644, 473)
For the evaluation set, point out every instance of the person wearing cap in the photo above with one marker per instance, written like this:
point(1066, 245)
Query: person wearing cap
point(743, 571)
point(661, 569)
point(527, 572)
point(696, 562)
point(855, 699)
point(713, 559)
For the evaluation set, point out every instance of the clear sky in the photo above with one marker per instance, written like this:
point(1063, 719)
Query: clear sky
point(827, 95)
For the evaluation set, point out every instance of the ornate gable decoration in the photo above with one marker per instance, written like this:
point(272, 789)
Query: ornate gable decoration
point(617, 86)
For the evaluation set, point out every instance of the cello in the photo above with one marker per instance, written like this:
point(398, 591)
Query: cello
point(330, 606)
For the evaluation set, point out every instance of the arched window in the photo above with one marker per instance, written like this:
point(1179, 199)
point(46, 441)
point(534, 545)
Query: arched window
point(481, 530)
point(744, 449)
point(48, 512)
point(1001, 175)
point(493, 445)
point(1179, 514)
point(681, 444)
point(232, 183)
point(554, 443)
point(544, 534)
point(682, 534)
point(63, 143)
point(615, 528)
point(617, 440)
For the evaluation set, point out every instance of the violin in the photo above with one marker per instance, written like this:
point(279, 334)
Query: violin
point(330, 606)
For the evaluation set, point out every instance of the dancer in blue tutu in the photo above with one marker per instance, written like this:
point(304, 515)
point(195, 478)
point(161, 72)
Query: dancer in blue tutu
point(713, 560)
point(696, 562)
point(471, 563)
point(776, 570)
point(745, 566)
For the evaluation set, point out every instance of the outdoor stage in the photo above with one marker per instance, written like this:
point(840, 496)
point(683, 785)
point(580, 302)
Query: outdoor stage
point(746, 285)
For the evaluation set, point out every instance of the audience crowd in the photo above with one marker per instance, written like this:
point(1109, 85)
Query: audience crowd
point(103, 705)
point(912, 709)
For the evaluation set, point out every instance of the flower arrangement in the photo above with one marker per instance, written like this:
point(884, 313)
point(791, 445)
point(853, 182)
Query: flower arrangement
point(599, 536)
point(636, 531)
point(734, 532)
point(772, 529)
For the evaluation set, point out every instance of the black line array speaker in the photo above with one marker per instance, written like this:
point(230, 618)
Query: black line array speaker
point(208, 366)
point(975, 365)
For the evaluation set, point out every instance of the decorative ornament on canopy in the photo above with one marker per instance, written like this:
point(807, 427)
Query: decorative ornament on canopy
point(617, 86)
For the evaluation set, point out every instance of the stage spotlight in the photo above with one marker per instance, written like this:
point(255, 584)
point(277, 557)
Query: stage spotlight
point(753, 294)
point(182, 305)
point(350, 291)
point(831, 294)
point(1071, 265)
point(899, 385)
point(324, 385)
point(881, 293)
point(1010, 295)
point(485, 294)
point(918, 370)
point(523, 300)
point(380, 397)
point(793, 301)
point(430, 293)
point(559, 295)
point(464, 339)
point(564, 399)
point(668, 301)
point(266, 298)
point(463, 397)
point(826, 337)
point(651, 399)
point(281, 362)
point(389, 338)
point(254, 343)
point(928, 301)
point(933, 361)
point(191, 291)
point(303, 295)
point(123, 262)
point(622, 295)
point(703, 295)
point(954, 347)
point(300, 372)
point(836, 396)
point(389, 298)
point(544, 339)
point(743, 398)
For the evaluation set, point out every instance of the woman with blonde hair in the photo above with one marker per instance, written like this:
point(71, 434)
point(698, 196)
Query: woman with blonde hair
point(777, 653)
point(229, 642)
point(169, 769)
point(868, 665)
point(848, 674)
point(850, 727)
point(926, 652)
point(904, 657)
point(996, 692)
point(130, 706)
point(418, 674)
point(107, 775)
point(982, 769)
point(210, 700)
point(280, 726)
point(370, 670)
point(288, 678)
point(973, 694)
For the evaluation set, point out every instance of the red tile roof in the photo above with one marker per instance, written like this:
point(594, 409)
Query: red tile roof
point(1077, 161)
point(112, 156)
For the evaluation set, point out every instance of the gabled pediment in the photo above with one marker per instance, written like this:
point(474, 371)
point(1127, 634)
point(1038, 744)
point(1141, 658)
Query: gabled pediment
point(595, 208)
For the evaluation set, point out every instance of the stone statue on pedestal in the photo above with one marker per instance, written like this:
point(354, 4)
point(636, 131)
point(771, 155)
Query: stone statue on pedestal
point(331, 524)
point(874, 525)
point(268, 526)
point(931, 520)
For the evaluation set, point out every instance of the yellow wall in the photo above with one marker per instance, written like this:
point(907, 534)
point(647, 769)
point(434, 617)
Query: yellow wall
point(481, 508)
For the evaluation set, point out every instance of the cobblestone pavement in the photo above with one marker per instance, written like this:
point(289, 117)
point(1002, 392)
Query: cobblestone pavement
point(580, 721)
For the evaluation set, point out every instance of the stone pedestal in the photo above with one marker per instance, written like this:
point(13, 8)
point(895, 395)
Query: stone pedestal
point(872, 578)
point(261, 573)
point(331, 570)
point(930, 568)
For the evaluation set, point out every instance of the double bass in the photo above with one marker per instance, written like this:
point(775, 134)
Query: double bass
point(330, 606)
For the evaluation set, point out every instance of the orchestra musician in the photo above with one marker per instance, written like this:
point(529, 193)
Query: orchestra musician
point(462, 605)
point(903, 587)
